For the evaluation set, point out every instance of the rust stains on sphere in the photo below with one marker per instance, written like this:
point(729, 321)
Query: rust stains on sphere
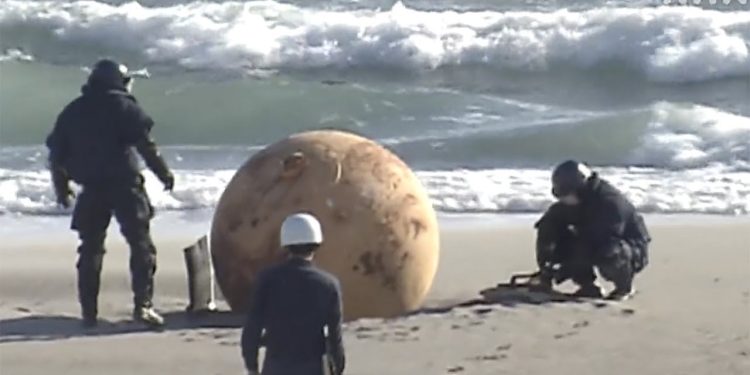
point(380, 231)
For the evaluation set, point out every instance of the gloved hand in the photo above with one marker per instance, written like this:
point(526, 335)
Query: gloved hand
point(64, 197)
point(61, 185)
point(168, 181)
point(545, 279)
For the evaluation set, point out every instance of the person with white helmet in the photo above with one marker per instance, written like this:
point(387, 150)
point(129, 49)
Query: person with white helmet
point(95, 142)
point(592, 225)
point(295, 303)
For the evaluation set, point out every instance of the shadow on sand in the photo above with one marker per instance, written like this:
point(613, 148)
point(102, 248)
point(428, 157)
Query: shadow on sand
point(511, 296)
point(58, 327)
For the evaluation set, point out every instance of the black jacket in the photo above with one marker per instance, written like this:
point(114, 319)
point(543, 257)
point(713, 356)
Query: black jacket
point(95, 137)
point(293, 302)
point(608, 217)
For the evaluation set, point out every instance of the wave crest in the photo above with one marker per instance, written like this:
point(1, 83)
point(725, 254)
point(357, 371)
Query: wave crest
point(666, 44)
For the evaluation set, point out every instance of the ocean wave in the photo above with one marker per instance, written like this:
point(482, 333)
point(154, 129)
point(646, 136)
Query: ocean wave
point(14, 54)
point(30, 192)
point(713, 190)
point(664, 135)
point(665, 44)
point(684, 136)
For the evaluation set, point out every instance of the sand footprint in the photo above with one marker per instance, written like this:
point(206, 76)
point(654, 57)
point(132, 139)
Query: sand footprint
point(220, 335)
point(365, 332)
point(576, 326)
point(489, 357)
point(483, 310)
point(564, 335)
point(504, 347)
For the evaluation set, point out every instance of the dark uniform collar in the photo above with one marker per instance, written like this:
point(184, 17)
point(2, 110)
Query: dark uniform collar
point(299, 262)
point(95, 88)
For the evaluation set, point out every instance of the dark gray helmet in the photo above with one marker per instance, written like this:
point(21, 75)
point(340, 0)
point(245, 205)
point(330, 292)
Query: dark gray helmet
point(568, 177)
point(110, 73)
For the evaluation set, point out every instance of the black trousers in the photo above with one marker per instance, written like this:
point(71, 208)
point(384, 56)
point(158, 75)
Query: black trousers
point(577, 262)
point(93, 212)
point(275, 367)
point(557, 245)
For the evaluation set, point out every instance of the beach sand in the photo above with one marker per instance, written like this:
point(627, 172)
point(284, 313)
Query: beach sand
point(691, 314)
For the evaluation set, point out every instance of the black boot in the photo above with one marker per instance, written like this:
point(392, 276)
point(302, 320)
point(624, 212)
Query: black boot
point(585, 277)
point(143, 290)
point(590, 290)
point(143, 268)
point(89, 320)
point(144, 312)
point(89, 270)
point(542, 282)
point(620, 272)
point(89, 310)
point(148, 316)
point(623, 290)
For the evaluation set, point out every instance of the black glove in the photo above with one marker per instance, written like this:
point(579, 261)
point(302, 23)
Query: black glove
point(147, 148)
point(60, 181)
point(168, 181)
point(63, 198)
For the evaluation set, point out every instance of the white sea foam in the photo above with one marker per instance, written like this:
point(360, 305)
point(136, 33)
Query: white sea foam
point(693, 135)
point(666, 135)
point(698, 161)
point(707, 190)
point(674, 44)
point(14, 54)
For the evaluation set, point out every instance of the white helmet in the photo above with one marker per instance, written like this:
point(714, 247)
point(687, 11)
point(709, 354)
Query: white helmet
point(301, 229)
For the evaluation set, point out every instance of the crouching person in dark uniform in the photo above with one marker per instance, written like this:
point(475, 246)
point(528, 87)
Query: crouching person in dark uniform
point(592, 225)
point(295, 302)
point(94, 143)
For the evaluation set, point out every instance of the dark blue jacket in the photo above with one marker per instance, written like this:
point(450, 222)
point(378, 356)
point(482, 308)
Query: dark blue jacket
point(608, 217)
point(293, 302)
point(96, 136)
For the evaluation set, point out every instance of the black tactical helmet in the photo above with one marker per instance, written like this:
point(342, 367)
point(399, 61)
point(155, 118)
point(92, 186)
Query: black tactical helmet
point(110, 73)
point(568, 177)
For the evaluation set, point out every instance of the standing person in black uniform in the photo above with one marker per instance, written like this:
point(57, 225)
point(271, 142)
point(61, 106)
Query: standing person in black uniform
point(294, 302)
point(94, 143)
point(592, 225)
